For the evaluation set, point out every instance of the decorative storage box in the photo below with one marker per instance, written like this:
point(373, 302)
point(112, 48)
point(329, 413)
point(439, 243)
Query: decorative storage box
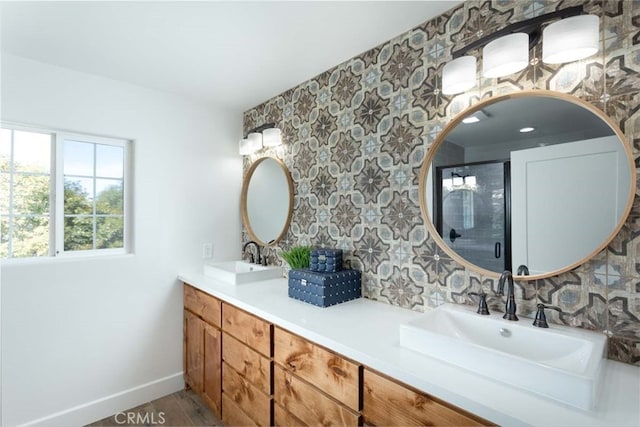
point(324, 289)
point(326, 260)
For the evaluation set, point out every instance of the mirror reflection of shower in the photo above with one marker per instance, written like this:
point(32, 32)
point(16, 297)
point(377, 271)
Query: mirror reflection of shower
point(472, 212)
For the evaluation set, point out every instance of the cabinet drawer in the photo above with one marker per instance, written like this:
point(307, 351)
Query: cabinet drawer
point(307, 403)
point(202, 305)
point(254, 332)
point(254, 403)
point(331, 373)
point(389, 403)
point(247, 362)
point(284, 418)
point(232, 415)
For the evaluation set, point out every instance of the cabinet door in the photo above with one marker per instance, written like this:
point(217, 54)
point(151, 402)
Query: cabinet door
point(193, 351)
point(212, 386)
point(389, 403)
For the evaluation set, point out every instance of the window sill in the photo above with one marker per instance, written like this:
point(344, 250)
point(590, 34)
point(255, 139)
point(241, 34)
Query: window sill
point(63, 259)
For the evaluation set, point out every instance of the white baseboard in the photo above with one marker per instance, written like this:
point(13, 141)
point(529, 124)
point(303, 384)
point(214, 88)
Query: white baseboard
point(105, 407)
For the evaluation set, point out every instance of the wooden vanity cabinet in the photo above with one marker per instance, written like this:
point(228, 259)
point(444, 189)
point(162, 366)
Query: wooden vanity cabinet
point(387, 402)
point(254, 374)
point(312, 385)
point(246, 368)
point(202, 346)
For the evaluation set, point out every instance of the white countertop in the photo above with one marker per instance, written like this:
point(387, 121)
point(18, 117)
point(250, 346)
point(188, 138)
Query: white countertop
point(367, 332)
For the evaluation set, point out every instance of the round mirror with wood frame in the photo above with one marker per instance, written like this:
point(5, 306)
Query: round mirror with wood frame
point(535, 182)
point(267, 201)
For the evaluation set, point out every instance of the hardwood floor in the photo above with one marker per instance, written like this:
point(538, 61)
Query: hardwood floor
point(180, 409)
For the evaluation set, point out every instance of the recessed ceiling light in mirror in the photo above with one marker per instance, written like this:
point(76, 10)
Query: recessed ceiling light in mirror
point(476, 117)
point(527, 129)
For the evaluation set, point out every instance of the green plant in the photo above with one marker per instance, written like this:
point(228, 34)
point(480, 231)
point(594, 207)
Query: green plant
point(297, 256)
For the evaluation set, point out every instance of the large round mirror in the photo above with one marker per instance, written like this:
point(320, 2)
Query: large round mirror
point(267, 200)
point(535, 183)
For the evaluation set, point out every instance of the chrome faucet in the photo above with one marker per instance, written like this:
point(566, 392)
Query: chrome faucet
point(244, 248)
point(510, 307)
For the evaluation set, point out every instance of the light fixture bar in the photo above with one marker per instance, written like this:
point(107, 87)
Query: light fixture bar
point(529, 26)
point(266, 135)
point(261, 128)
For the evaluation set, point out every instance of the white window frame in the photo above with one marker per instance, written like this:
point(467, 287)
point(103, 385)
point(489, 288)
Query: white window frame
point(60, 137)
point(56, 192)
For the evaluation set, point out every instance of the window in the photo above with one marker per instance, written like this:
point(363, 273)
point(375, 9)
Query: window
point(62, 194)
point(25, 193)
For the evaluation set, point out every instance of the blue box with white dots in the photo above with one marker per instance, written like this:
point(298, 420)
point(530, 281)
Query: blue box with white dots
point(324, 289)
point(323, 259)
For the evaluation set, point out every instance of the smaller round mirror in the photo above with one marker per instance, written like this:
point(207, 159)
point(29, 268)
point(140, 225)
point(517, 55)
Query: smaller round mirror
point(267, 201)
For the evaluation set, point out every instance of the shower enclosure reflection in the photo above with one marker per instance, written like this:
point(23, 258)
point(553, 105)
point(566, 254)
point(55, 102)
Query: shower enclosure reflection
point(471, 212)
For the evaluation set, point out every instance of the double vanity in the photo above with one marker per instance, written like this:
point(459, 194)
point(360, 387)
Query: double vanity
point(283, 362)
point(493, 201)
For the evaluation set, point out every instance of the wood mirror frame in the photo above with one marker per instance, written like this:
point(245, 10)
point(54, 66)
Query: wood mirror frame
point(243, 201)
point(432, 151)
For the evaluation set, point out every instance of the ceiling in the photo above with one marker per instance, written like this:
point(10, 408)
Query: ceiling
point(555, 121)
point(233, 54)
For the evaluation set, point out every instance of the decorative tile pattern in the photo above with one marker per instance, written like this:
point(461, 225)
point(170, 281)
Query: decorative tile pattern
point(371, 181)
point(624, 350)
point(400, 290)
point(356, 136)
point(370, 113)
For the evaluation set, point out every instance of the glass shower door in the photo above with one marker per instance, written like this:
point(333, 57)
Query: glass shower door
point(472, 215)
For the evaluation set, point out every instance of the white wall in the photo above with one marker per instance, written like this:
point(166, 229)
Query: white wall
point(82, 339)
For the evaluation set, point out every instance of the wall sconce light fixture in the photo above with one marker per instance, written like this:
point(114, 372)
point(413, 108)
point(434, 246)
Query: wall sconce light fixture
point(506, 55)
point(271, 137)
point(570, 39)
point(266, 135)
point(573, 36)
point(459, 75)
point(243, 147)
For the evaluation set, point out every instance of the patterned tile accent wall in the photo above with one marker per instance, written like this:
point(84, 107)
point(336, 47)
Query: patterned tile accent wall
point(356, 136)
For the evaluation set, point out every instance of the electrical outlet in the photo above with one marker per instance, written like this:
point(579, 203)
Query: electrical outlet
point(207, 250)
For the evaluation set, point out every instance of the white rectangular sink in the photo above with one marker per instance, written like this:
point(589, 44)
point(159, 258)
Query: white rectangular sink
point(240, 272)
point(560, 363)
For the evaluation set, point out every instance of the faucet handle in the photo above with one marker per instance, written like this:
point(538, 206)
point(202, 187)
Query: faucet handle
point(482, 303)
point(541, 319)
